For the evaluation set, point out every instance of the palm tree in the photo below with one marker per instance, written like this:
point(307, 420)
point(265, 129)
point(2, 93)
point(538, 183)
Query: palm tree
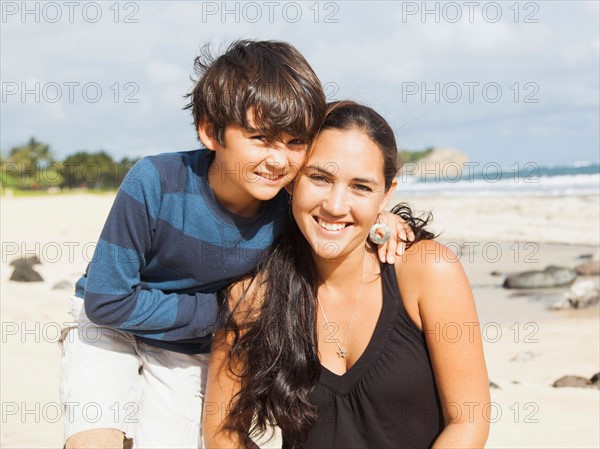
point(31, 166)
point(33, 154)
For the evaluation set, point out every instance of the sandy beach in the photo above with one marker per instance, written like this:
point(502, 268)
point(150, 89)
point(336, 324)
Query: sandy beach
point(527, 345)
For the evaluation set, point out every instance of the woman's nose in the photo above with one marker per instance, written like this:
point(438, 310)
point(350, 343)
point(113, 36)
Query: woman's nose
point(336, 202)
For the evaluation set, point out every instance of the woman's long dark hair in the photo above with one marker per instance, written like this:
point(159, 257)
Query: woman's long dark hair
point(275, 352)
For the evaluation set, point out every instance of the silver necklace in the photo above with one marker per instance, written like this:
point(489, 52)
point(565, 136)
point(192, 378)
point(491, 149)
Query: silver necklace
point(341, 352)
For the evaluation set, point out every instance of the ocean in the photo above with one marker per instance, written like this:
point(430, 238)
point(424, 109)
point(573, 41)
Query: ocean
point(491, 179)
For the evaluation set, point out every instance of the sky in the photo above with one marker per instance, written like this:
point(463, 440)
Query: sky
point(506, 82)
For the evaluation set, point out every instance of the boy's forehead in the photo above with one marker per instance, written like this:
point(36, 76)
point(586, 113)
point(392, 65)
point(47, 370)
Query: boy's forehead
point(255, 124)
point(251, 118)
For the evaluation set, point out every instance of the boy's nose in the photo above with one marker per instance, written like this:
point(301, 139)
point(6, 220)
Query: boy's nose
point(276, 158)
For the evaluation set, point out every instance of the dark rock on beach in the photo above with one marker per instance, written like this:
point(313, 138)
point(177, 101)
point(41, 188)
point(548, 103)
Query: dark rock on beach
point(576, 381)
point(550, 277)
point(494, 385)
point(24, 271)
point(26, 274)
point(28, 261)
point(62, 285)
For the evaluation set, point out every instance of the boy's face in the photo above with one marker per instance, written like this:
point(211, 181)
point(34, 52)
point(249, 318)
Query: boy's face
point(251, 166)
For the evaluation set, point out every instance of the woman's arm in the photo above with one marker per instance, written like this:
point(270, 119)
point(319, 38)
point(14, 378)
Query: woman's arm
point(222, 385)
point(447, 311)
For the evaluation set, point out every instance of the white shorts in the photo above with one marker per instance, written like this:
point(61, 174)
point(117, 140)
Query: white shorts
point(110, 379)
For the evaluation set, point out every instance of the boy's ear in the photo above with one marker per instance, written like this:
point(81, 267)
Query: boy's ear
point(206, 133)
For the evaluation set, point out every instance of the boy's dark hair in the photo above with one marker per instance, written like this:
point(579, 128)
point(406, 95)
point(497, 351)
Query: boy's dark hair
point(271, 80)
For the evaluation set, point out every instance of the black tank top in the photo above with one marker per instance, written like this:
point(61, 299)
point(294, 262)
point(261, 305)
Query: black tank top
point(388, 398)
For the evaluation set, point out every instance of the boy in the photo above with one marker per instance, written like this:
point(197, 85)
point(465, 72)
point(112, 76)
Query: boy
point(184, 225)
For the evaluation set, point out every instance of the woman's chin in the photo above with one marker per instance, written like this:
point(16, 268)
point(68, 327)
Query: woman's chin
point(334, 249)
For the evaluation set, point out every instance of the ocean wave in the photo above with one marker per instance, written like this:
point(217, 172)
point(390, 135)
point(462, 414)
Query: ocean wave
point(581, 184)
point(579, 164)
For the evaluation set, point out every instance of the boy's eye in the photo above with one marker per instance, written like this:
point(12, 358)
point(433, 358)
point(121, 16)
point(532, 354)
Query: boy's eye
point(296, 142)
point(259, 138)
point(363, 188)
point(318, 178)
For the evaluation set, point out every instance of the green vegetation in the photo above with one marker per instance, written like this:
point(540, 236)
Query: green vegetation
point(405, 156)
point(33, 168)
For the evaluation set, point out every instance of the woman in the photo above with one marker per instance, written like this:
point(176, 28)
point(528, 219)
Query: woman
point(335, 348)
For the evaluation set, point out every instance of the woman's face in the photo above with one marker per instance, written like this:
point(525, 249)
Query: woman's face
point(340, 192)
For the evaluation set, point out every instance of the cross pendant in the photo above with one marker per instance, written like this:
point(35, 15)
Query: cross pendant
point(341, 353)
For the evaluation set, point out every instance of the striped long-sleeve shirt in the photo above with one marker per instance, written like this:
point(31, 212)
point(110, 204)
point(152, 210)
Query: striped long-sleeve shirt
point(167, 247)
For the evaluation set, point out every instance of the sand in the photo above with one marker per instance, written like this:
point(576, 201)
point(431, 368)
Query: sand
point(527, 346)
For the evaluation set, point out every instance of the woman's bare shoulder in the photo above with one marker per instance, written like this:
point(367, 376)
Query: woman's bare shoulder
point(427, 255)
point(426, 268)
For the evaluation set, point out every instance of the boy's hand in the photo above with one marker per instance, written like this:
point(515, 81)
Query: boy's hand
point(400, 233)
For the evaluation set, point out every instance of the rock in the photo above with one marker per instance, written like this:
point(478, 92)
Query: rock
point(62, 285)
point(581, 294)
point(24, 271)
point(494, 385)
point(521, 295)
point(591, 268)
point(496, 273)
point(594, 379)
point(524, 356)
point(27, 262)
point(574, 381)
point(587, 256)
point(440, 164)
point(551, 277)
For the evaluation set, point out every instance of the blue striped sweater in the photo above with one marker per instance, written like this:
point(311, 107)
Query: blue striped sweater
point(167, 247)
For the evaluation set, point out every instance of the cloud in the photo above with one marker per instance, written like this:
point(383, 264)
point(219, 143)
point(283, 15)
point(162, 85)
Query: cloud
point(368, 51)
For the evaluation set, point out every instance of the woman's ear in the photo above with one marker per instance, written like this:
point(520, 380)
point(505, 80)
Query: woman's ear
point(206, 133)
point(388, 195)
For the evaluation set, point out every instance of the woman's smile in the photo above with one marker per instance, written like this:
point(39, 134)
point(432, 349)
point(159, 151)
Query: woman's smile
point(332, 227)
point(340, 201)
